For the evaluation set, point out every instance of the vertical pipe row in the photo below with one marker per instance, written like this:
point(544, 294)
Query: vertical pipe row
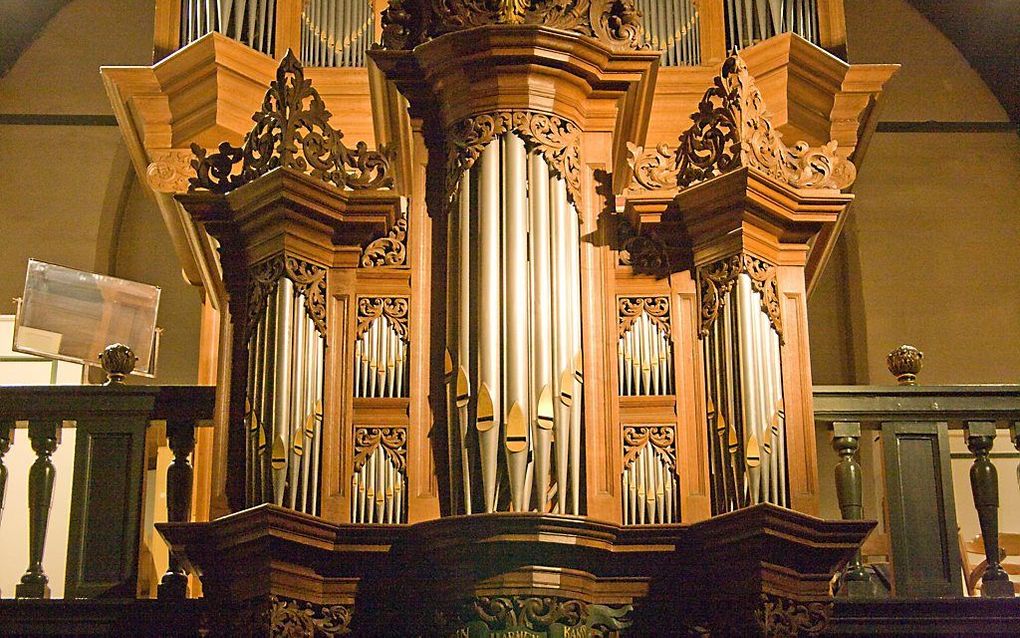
point(378, 490)
point(380, 356)
point(649, 486)
point(645, 355)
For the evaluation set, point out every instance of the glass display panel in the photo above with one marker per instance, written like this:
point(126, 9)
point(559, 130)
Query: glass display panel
point(73, 315)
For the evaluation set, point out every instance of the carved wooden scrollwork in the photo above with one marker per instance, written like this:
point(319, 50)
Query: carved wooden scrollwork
point(408, 23)
point(657, 309)
point(292, 130)
point(169, 170)
point(392, 440)
point(395, 309)
point(662, 438)
point(716, 280)
point(732, 129)
point(292, 618)
point(390, 250)
point(653, 168)
point(556, 138)
point(309, 280)
point(643, 252)
point(785, 618)
point(534, 616)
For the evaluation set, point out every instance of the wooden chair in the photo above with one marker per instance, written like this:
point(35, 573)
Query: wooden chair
point(972, 555)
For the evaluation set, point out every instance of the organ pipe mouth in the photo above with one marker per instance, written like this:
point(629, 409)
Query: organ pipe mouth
point(486, 416)
point(516, 430)
point(545, 409)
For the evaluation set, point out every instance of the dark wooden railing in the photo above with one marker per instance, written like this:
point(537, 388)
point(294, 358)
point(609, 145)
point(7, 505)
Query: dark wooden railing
point(912, 423)
point(109, 465)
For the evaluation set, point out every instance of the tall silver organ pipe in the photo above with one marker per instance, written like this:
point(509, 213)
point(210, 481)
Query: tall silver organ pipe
point(284, 417)
point(746, 418)
point(514, 335)
point(248, 21)
point(336, 32)
point(672, 26)
point(750, 21)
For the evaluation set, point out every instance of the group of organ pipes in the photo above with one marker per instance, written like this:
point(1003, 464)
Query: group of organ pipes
point(513, 373)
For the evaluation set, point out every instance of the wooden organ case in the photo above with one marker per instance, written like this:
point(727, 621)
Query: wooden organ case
point(515, 374)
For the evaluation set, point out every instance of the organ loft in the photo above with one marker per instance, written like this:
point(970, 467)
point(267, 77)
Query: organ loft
point(505, 307)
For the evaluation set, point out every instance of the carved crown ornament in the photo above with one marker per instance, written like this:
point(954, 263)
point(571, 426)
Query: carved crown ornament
point(732, 129)
point(292, 131)
point(554, 137)
point(408, 23)
point(716, 281)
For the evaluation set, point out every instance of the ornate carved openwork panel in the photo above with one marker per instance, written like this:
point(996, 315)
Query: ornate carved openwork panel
point(292, 130)
point(379, 478)
point(511, 616)
point(390, 250)
point(716, 280)
point(732, 129)
point(649, 477)
point(309, 281)
point(616, 23)
point(556, 138)
point(655, 308)
point(643, 252)
point(785, 618)
point(653, 168)
point(290, 617)
point(393, 308)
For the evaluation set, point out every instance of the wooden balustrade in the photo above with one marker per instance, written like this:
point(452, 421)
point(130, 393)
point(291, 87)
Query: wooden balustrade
point(107, 492)
point(913, 422)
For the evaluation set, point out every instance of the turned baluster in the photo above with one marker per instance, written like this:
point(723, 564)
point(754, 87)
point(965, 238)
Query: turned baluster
point(44, 435)
point(846, 435)
point(984, 483)
point(1014, 435)
point(6, 440)
point(179, 478)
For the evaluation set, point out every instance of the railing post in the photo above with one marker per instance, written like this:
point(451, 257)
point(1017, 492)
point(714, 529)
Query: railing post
point(984, 482)
point(45, 435)
point(846, 435)
point(6, 439)
point(1014, 435)
point(179, 479)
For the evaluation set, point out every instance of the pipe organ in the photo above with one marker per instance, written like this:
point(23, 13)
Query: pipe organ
point(649, 475)
point(750, 21)
point(514, 375)
point(247, 21)
point(741, 339)
point(673, 27)
point(336, 32)
point(381, 366)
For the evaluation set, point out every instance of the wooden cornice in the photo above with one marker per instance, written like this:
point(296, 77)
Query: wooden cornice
point(498, 68)
point(742, 211)
point(287, 211)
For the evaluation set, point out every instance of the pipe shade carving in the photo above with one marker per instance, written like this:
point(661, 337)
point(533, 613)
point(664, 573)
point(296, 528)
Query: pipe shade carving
point(556, 138)
point(732, 129)
point(381, 366)
point(309, 281)
point(716, 281)
point(644, 346)
point(292, 130)
point(649, 475)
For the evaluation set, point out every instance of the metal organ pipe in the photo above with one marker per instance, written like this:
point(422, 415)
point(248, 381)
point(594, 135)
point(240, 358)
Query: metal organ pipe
point(517, 337)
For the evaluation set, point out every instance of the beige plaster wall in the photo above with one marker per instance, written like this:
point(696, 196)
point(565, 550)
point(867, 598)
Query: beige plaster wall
point(69, 194)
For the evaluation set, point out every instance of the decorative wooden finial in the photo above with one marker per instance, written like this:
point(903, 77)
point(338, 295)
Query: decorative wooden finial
point(118, 361)
point(905, 362)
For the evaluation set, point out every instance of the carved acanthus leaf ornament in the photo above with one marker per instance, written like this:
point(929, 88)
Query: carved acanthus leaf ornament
point(653, 168)
point(393, 441)
point(309, 281)
point(169, 170)
point(290, 618)
point(517, 615)
point(616, 23)
point(292, 130)
point(661, 437)
point(732, 129)
point(554, 137)
point(657, 309)
point(716, 281)
point(786, 618)
point(394, 308)
point(390, 250)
